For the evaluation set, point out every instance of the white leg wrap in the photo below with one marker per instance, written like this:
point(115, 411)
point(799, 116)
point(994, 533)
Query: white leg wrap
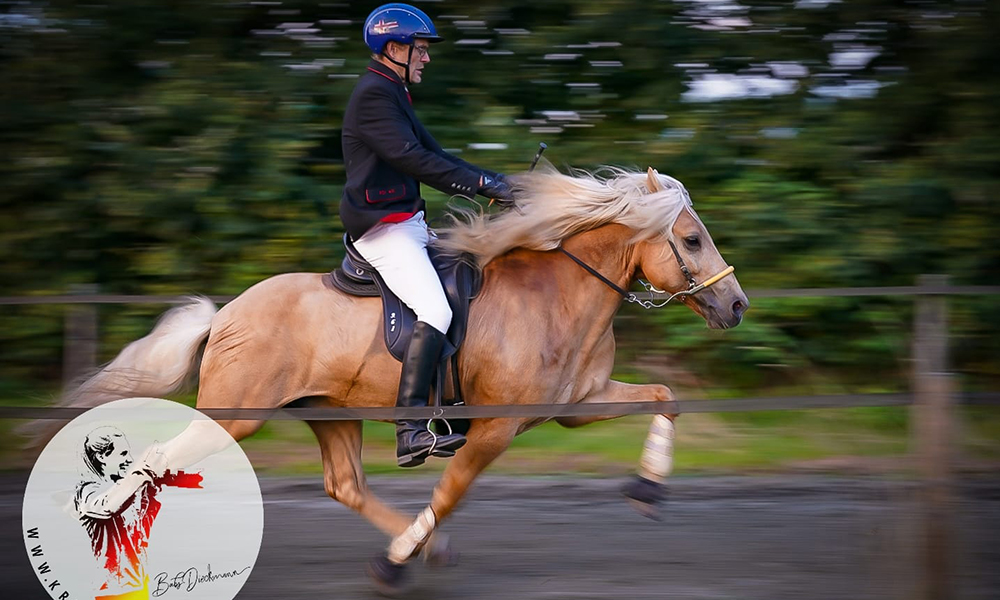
point(658, 452)
point(408, 543)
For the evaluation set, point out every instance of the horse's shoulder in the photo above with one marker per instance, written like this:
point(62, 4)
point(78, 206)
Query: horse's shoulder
point(523, 269)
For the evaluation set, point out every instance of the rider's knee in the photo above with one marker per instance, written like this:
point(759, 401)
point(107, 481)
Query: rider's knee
point(438, 317)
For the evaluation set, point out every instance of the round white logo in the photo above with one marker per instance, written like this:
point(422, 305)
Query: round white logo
point(142, 498)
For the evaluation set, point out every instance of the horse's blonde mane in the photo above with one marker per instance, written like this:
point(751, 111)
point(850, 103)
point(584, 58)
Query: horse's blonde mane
point(554, 207)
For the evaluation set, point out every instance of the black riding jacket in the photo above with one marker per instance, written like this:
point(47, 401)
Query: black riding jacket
point(387, 153)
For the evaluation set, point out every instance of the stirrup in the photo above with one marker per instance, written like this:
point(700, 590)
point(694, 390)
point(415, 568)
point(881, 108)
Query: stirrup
point(449, 451)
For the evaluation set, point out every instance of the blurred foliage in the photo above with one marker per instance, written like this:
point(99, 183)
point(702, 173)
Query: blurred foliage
point(173, 147)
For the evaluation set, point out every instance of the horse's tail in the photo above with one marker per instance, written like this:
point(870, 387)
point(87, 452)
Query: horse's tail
point(165, 361)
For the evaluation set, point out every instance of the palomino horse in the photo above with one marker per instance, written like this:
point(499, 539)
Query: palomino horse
point(539, 332)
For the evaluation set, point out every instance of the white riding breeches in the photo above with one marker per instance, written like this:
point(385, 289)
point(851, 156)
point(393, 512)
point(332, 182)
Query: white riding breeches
point(398, 251)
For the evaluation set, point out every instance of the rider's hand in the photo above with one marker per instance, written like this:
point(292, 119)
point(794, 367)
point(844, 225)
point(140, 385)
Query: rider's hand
point(495, 188)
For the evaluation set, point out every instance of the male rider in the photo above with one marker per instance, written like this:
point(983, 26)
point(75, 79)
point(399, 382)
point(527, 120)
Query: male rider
point(387, 154)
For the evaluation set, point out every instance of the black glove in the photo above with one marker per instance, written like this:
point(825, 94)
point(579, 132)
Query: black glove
point(496, 188)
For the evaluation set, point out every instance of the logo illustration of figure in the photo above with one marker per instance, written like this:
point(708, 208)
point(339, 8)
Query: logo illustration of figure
point(116, 504)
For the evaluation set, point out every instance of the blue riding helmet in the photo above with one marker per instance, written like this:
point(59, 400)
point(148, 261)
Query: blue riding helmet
point(398, 23)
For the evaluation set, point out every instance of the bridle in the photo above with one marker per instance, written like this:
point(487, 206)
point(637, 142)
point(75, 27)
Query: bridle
point(693, 286)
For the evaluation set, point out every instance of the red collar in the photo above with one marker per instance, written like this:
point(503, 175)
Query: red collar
point(392, 79)
point(377, 67)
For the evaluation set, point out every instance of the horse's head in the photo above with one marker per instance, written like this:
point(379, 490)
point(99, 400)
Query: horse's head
point(723, 303)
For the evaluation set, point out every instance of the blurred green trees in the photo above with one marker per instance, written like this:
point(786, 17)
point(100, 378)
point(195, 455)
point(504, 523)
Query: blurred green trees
point(175, 147)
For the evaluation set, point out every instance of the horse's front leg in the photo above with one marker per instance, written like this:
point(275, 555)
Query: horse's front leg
point(487, 439)
point(646, 490)
point(618, 392)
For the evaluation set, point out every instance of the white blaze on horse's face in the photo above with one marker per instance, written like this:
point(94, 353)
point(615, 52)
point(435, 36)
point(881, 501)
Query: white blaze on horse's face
point(721, 305)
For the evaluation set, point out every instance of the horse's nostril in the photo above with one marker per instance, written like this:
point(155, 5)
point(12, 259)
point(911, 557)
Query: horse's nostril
point(739, 308)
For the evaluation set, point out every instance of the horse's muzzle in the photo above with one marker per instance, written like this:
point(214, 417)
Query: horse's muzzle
point(728, 313)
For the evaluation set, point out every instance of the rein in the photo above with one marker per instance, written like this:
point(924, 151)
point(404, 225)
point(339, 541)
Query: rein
point(693, 286)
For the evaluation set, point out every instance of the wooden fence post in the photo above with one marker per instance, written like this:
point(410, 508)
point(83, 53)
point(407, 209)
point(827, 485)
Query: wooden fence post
point(933, 429)
point(79, 335)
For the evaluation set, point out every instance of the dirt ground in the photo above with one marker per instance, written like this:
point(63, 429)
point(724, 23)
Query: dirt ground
point(767, 538)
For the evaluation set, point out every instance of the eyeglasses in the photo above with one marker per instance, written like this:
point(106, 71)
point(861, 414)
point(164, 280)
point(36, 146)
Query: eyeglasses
point(421, 51)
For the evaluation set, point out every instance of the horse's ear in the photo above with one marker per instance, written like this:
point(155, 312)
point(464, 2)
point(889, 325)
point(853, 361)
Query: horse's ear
point(652, 181)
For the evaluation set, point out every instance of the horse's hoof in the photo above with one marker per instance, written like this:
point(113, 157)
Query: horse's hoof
point(644, 496)
point(390, 578)
point(438, 552)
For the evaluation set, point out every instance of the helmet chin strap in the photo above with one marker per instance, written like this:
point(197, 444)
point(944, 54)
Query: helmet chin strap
point(406, 65)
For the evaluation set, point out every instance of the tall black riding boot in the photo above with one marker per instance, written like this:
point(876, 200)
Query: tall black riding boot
point(414, 443)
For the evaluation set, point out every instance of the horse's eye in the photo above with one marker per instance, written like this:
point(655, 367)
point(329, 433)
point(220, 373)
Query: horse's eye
point(692, 242)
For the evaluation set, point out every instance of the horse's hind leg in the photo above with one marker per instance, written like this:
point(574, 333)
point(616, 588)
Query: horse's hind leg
point(344, 477)
point(224, 385)
point(201, 438)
